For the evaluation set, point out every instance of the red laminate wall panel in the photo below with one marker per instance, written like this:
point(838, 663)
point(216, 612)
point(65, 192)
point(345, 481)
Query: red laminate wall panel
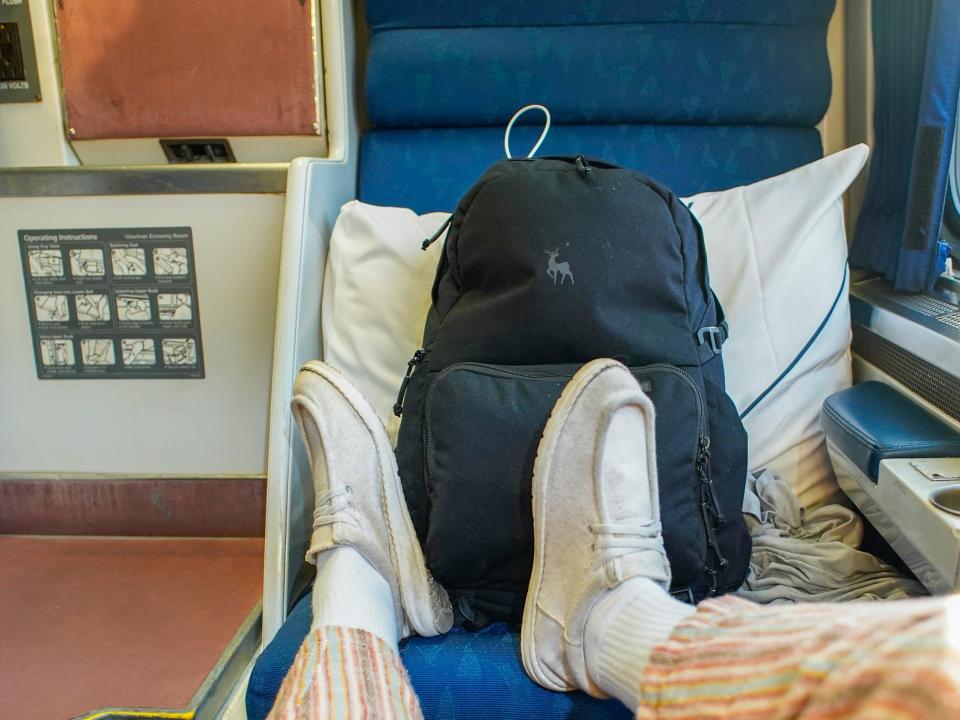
point(157, 506)
point(129, 622)
point(187, 68)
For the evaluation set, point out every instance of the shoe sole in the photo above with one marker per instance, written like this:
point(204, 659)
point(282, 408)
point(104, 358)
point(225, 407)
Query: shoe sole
point(406, 555)
point(541, 473)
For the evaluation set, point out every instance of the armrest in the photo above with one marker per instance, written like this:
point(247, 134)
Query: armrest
point(872, 421)
point(316, 188)
point(315, 191)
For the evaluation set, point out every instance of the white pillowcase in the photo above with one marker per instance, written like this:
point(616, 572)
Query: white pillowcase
point(376, 292)
point(777, 252)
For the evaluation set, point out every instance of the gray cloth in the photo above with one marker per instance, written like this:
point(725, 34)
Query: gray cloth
point(811, 556)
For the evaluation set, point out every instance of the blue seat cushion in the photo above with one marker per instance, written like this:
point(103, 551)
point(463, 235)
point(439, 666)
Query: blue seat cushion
point(429, 169)
point(459, 675)
point(658, 73)
point(701, 96)
point(871, 422)
point(393, 15)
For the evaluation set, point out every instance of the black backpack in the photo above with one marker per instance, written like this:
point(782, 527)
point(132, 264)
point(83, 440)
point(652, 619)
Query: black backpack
point(550, 263)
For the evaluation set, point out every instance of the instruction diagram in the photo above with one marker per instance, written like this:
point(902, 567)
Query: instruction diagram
point(138, 351)
point(45, 263)
point(170, 261)
point(51, 308)
point(179, 351)
point(87, 262)
point(133, 306)
point(128, 261)
point(175, 306)
point(93, 307)
point(57, 352)
point(97, 351)
point(113, 303)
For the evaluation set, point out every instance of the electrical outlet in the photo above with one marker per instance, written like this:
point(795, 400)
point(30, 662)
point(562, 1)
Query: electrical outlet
point(11, 55)
point(19, 81)
point(197, 150)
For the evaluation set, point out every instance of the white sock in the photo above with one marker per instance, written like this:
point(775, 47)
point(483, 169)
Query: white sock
point(622, 630)
point(349, 592)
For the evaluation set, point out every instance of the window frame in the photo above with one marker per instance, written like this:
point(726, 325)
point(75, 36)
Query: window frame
point(950, 232)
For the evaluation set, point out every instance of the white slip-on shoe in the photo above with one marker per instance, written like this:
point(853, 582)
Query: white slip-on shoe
point(596, 517)
point(359, 499)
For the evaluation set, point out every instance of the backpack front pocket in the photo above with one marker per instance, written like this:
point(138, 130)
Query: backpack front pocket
point(482, 428)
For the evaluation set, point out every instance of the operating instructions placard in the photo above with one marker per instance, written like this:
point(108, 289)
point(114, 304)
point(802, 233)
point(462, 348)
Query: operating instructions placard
point(113, 303)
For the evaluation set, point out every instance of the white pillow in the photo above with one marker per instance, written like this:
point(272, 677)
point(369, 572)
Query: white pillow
point(778, 260)
point(777, 252)
point(376, 292)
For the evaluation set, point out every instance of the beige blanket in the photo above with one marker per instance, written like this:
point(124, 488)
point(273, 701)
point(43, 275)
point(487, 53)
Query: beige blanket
point(811, 556)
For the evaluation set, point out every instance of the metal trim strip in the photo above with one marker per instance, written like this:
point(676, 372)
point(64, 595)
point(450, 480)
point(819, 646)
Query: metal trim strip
point(233, 178)
point(216, 686)
point(873, 308)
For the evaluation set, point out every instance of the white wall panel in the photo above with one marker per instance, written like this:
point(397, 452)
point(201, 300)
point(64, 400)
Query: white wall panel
point(205, 426)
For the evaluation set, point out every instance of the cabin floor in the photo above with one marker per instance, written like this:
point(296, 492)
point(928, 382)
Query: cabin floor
point(90, 622)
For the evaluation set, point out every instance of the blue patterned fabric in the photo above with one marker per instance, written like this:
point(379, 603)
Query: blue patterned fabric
point(459, 676)
point(700, 95)
point(390, 14)
point(274, 662)
point(655, 73)
point(917, 67)
point(431, 169)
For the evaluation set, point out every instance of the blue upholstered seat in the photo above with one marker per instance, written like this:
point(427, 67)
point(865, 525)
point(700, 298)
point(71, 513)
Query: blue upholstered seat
point(701, 95)
point(458, 675)
point(429, 169)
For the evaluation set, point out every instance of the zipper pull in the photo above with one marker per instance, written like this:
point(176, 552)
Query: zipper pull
point(708, 526)
point(417, 358)
point(713, 580)
point(703, 471)
point(715, 502)
point(582, 165)
point(712, 539)
point(433, 238)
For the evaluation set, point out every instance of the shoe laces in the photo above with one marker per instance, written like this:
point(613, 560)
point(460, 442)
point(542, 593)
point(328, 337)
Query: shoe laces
point(335, 505)
point(618, 540)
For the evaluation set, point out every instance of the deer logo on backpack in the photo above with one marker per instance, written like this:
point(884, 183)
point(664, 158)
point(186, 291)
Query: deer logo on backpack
point(558, 269)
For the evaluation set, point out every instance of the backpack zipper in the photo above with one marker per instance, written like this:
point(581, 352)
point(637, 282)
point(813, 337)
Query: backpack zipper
point(709, 503)
point(417, 358)
point(704, 472)
point(433, 238)
point(710, 513)
point(685, 376)
point(490, 369)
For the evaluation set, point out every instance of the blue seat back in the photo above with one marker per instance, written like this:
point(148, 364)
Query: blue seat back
point(701, 95)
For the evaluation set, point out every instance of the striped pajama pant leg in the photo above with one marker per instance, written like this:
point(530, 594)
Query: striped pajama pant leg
point(345, 674)
point(897, 660)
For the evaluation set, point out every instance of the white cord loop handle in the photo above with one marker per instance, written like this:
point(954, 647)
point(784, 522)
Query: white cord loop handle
point(543, 135)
